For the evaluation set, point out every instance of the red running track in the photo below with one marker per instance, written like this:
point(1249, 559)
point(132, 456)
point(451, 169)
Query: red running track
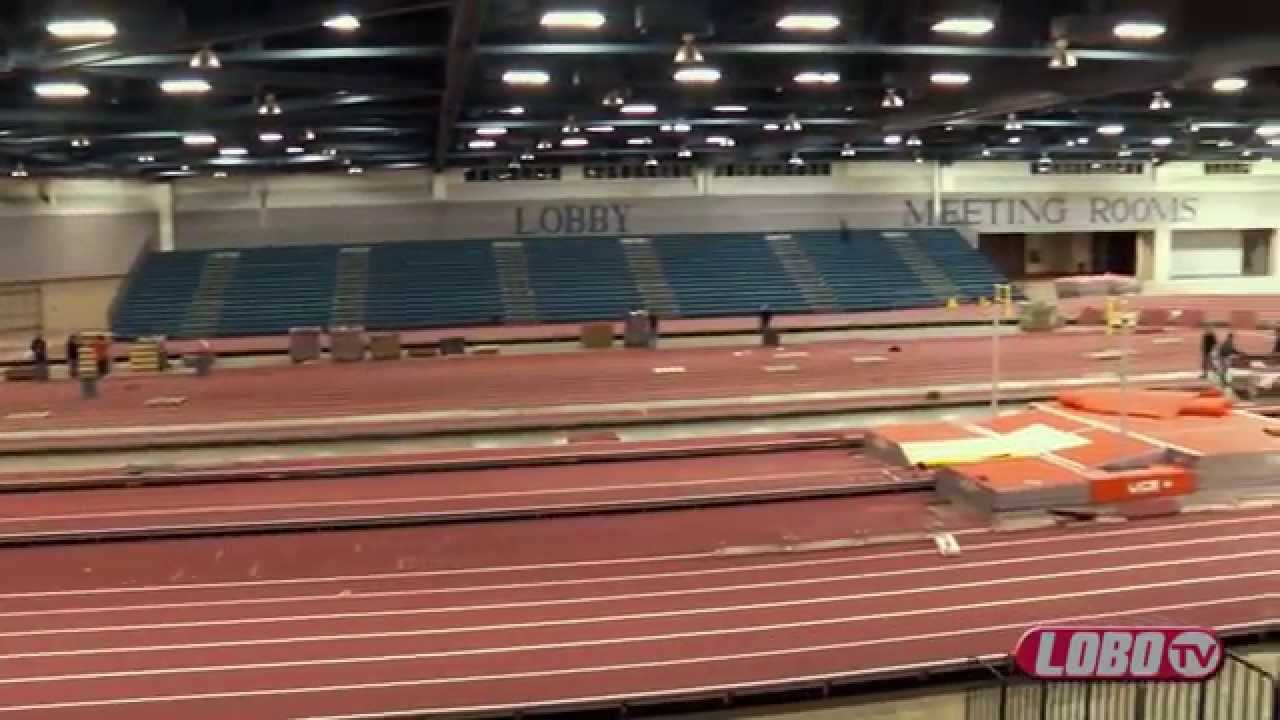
point(430, 497)
point(535, 390)
point(562, 612)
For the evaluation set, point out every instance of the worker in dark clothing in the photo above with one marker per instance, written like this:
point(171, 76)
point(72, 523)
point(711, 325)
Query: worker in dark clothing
point(1208, 343)
point(654, 332)
point(1226, 351)
point(73, 355)
point(1275, 348)
point(101, 351)
point(40, 357)
point(766, 318)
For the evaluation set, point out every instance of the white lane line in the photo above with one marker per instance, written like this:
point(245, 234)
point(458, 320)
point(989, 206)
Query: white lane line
point(782, 652)
point(1202, 521)
point(422, 592)
point(690, 612)
point(647, 596)
point(550, 410)
point(188, 510)
point(177, 525)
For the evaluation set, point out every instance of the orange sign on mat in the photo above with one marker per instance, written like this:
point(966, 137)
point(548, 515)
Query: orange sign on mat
point(1161, 481)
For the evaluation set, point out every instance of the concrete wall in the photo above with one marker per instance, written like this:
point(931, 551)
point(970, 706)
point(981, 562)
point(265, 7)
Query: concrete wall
point(80, 304)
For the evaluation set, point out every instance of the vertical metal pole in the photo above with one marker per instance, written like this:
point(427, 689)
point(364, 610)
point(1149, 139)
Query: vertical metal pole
point(1125, 343)
point(1004, 700)
point(995, 352)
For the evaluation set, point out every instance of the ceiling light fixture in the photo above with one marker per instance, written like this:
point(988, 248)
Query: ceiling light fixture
point(573, 19)
point(18, 171)
point(1061, 57)
point(684, 153)
point(491, 131)
point(1274, 142)
point(971, 26)
point(544, 145)
point(688, 53)
point(680, 127)
point(815, 77)
point(270, 105)
point(481, 144)
point(614, 98)
point(640, 141)
point(62, 90)
point(199, 139)
point(771, 127)
point(233, 151)
point(146, 159)
point(638, 109)
point(295, 150)
point(345, 22)
point(1162, 141)
point(355, 170)
point(892, 139)
point(570, 126)
point(1011, 122)
point(1082, 140)
point(309, 135)
point(848, 151)
point(513, 110)
point(696, 75)
point(185, 86)
point(81, 29)
point(1139, 30)
point(950, 78)
point(526, 77)
point(1159, 101)
point(1268, 130)
point(219, 174)
point(1225, 143)
point(573, 142)
point(593, 129)
point(526, 156)
point(1124, 152)
point(1230, 84)
point(651, 161)
point(795, 159)
point(1014, 140)
point(891, 99)
point(792, 124)
point(808, 22)
point(1246, 153)
point(914, 141)
point(270, 136)
point(80, 142)
point(721, 140)
point(730, 108)
point(205, 59)
point(1110, 129)
point(986, 152)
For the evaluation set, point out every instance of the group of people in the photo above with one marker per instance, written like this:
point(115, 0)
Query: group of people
point(1215, 357)
point(100, 348)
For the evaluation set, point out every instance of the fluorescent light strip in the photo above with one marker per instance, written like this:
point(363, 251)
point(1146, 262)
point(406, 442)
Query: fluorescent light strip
point(82, 29)
point(730, 108)
point(482, 144)
point(185, 86)
point(61, 90)
point(971, 26)
point(697, 75)
point(812, 77)
point(199, 139)
point(808, 22)
point(573, 142)
point(949, 77)
point(573, 19)
point(344, 23)
point(638, 109)
point(526, 77)
point(1139, 30)
point(491, 131)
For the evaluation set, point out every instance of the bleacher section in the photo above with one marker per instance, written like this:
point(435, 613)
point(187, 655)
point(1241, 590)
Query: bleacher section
point(726, 275)
point(455, 283)
point(433, 284)
point(581, 279)
point(159, 294)
point(274, 289)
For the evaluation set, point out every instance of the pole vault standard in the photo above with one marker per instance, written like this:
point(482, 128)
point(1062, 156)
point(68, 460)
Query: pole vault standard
point(1122, 322)
point(1003, 303)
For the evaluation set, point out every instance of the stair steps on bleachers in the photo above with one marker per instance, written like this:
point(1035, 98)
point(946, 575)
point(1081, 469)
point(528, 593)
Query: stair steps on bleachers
point(351, 289)
point(205, 312)
point(930, 273)
point(518, 300)
point(646, 270)
point(802, 271)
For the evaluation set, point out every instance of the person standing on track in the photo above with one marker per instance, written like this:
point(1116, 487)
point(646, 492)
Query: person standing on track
point(100, 353)
point(73, 355)
point(40, 357)
point(1208, 343)
point(1226, 351)
point(1275, 348)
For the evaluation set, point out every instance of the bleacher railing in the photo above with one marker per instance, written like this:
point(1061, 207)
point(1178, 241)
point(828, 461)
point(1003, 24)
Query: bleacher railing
point(1241, 691)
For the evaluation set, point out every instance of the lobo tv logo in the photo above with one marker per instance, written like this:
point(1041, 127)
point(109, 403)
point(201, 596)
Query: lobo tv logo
point(1170, 654)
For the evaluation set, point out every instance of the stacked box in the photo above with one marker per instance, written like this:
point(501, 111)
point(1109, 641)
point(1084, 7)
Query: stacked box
point(347, 344)
point(385, 346)
point(304, 344)
point(596, 336)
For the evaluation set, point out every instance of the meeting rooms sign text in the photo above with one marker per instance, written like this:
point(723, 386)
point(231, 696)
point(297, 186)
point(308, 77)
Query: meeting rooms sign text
point(1013, 212)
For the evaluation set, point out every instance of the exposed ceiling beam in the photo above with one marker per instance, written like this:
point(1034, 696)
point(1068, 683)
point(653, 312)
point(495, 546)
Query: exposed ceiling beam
point(467, 17)
point(251, 80)
point(293, 16)
point(816, 49)
point(390, 52)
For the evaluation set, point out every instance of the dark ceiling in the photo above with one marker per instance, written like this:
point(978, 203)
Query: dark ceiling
point(417, 80)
